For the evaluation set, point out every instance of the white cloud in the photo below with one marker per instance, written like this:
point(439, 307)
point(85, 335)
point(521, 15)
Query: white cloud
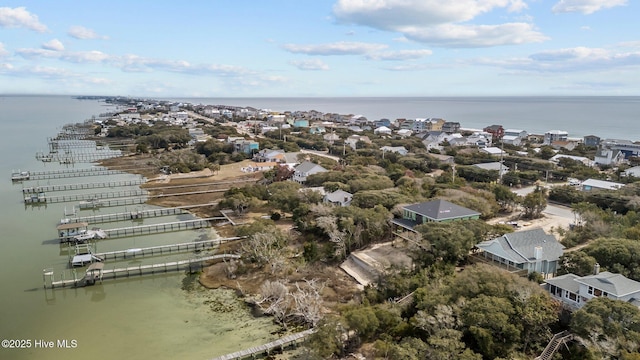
point(400, 55)
point(83, 33)
point(441, 23)
point(338, 48)
point(578, 59)
point(453, 35)
point(55, 45)
point(20, 18)
point(585, 6)
point(3, 51)
point(313, 64)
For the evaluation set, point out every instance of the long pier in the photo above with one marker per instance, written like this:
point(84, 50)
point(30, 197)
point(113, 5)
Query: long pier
point(68, 187)
point(280, 344)
point(84, 197)
point(104, 274)
point(159, 228)
point(68, 173)
point(136, 214)
point(78, 157)
point(163, 249)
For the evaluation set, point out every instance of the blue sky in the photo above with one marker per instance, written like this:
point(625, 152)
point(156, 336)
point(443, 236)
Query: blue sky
point(284, 48)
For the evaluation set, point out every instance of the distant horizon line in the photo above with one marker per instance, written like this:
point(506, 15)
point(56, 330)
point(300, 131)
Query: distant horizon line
point(318, 97)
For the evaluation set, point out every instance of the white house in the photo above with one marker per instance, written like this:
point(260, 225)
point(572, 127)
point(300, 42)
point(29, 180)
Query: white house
point(405, 132)
point(307, 168)
point(496, 166)
point(606, 156)
point(591, 184)
point(634, 171)
point(555, 135)
point(338, 197)
point(395, 149)
point(495, 151)
point(382, 130)
point(574, 291)
point(586, 161)
point(353, 140)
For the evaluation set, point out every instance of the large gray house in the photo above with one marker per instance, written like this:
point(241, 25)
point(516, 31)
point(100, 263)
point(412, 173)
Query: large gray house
point(530, 250)
point(436, 210)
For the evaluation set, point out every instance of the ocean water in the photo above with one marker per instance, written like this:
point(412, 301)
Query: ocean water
point(607, 117)
point(136, 318)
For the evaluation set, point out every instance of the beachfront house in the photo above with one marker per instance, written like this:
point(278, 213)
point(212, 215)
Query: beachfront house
point(436, 210)
point(574, 291)
point(555, 135)
point(524, 251)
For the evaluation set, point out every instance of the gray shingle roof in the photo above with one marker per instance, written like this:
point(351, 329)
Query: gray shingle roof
point(338, 196)
point(614, 284)
point(307, 166)
point(520, 246)
point(439, 210)
point(566, 282)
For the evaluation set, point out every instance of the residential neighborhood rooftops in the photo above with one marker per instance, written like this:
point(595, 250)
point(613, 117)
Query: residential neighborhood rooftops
point(567, 282)
point(601, 184)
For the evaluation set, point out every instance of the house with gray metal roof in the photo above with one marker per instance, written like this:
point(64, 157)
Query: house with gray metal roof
point(436, 210)
point(531, 250)
point(574, 291)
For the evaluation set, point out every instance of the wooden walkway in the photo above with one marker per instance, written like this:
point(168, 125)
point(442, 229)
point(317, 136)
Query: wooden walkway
point(159, 228)
point(163, 249)
point(106, 274)
point(70, 173)
point(266, 348)
point(68, 187)
point(135, 214)
point(40, 197)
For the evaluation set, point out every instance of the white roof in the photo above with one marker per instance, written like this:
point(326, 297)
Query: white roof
point(601, 184)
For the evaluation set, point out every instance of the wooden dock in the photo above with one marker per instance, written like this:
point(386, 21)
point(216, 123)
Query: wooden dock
point(69, 173)
point(83, 186)
point(159, 228)
point(94, 204)
point(104, 274)
point(279, 344)
point(78, 157)
point(164, 249)
point(41, 197)
point(135, 214)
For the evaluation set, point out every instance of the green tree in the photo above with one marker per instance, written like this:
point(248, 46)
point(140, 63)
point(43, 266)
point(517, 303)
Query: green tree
point(576, 262)
point(450, 241)
point(534, 203)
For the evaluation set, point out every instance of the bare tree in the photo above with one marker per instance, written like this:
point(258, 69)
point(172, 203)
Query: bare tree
point(274, 300)
point(307, 302)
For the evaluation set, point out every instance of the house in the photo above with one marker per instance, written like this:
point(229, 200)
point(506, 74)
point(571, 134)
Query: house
point(395, 149)
point(531, 250)
point(634, 171)
point(354, 139)
point(301, 123)
point(555, 135)
point(496, 131)
point(514, 137)
point(606, 156)
point(269, 155)
point(494, 166)
point(331, 138)
point(307, 168)
point(495, 151)
point(382, 122)
point(405, 132)
point(317, 129)
point(451, 127)
point(586, 161)
point(436, 210)
point(591, 184)
point(246, 146)
point(574, 291)
point(591, 140)
point(338, 197)
point(445, 159)
point(382, 130)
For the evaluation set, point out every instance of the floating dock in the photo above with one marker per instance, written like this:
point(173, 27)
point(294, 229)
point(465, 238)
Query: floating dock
point(160, 228)
point(97, 272)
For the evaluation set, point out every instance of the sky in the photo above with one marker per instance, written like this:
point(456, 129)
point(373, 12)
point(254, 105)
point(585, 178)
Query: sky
point(320, 48)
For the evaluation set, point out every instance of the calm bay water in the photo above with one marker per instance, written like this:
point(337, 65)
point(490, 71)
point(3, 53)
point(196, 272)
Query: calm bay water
point(137, 318)
point(607, 117)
